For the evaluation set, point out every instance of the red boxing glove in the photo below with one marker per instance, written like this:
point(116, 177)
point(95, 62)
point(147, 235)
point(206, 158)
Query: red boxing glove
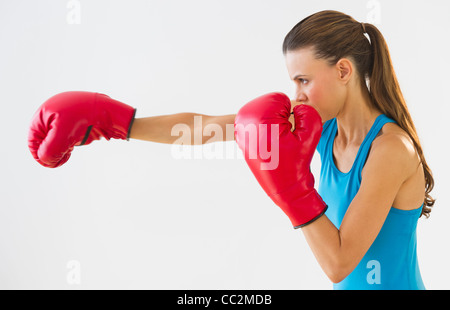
point(284, 170)
point(75, 118)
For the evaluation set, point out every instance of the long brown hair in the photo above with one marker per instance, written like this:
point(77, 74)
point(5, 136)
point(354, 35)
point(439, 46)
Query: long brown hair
point(335, 35)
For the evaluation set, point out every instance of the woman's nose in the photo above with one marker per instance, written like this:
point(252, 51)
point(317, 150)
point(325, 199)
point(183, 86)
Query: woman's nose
point(299, 96)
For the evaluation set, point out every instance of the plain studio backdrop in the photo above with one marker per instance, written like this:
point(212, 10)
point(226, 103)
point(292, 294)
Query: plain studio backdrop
point(141, 215)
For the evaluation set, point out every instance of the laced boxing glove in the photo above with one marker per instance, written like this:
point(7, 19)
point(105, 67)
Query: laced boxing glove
point(76, 118)
point(263, 124)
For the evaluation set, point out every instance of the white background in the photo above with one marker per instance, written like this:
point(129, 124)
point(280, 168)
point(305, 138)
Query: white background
point(128, 215)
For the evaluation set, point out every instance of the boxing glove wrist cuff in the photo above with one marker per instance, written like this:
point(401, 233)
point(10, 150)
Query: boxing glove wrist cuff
point(89, 129)
point(131, 125)
point(304, 209)
point(309, 222)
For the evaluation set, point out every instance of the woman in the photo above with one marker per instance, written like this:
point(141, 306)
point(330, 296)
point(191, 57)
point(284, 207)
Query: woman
point(374, 177)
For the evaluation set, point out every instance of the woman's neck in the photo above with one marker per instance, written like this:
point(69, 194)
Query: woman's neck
point(356, 118)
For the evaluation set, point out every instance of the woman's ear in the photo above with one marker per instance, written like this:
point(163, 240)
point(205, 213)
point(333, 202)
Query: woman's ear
point(345, 69)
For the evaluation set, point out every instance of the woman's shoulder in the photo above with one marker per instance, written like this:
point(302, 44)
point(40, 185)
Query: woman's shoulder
point(394, 134)
point(393, 140)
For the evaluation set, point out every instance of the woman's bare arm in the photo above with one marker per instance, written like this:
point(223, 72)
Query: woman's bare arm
point(168, 128)
point(204, 128)
point(339, 251)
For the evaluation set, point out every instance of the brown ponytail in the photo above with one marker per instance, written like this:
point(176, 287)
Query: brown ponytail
point(335, 35)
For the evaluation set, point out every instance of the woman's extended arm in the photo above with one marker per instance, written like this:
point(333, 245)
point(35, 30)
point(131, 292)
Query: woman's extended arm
point(160, 129)
point(203, 128)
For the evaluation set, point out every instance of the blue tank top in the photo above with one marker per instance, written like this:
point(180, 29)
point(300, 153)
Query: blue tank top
point(391, 261)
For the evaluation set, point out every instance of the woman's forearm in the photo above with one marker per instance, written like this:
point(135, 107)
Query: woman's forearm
point(183, 128)
point(158, 128)
point(336, 254)
point(324, 240)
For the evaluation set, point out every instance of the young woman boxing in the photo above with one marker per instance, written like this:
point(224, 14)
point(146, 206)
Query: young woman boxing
point(374, 182)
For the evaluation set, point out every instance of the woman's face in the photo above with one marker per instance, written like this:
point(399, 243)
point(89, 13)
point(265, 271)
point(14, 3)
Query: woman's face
point(316, 82)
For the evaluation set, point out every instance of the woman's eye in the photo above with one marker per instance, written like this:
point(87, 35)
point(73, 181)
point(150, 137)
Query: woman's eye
point(303, 81)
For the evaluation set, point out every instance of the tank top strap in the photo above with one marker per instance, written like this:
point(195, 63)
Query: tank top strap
point(361, 158)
